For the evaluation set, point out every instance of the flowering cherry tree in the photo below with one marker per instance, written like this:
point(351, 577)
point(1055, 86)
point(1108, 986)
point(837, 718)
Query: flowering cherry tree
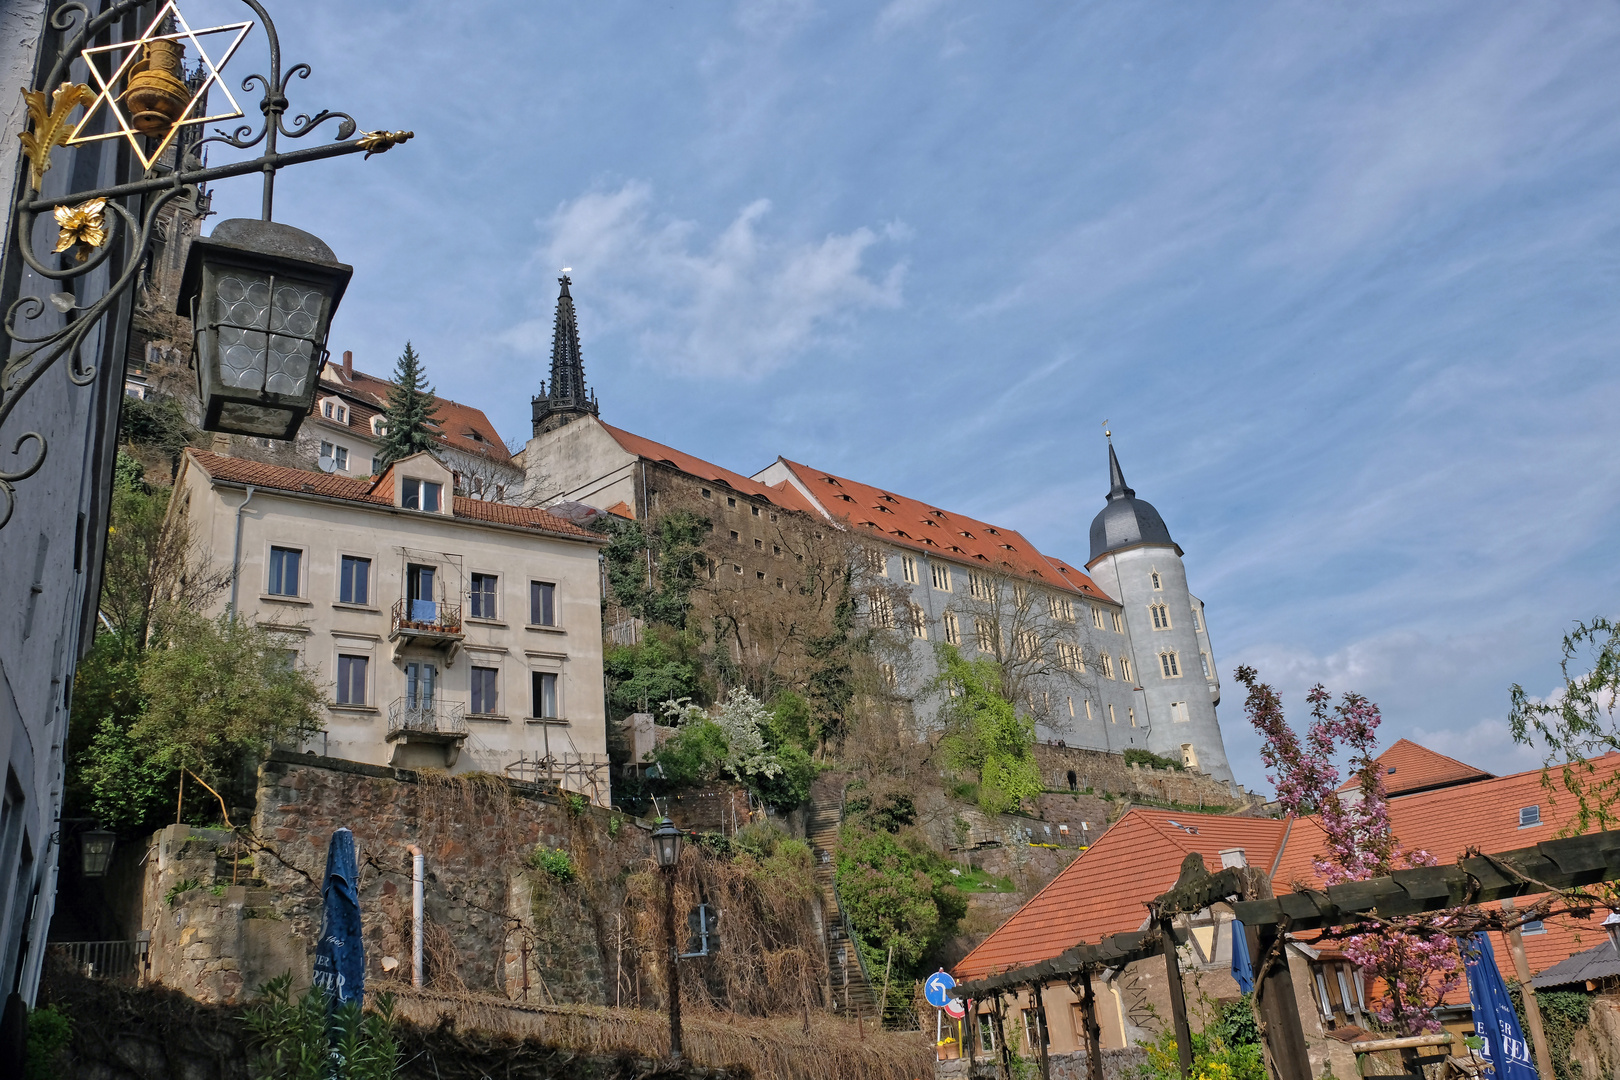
point(1415, 958)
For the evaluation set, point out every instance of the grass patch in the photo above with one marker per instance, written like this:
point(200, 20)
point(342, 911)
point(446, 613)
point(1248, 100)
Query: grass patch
point(977, 881)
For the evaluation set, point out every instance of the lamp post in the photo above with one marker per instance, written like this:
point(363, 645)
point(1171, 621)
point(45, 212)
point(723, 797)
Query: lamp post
point(667, 846)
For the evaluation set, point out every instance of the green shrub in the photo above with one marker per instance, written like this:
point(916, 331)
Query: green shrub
point(554, 861)
point(296, 1039)
point(694, 755)
point(898, 892)
point(49, 1032)
point(1149, 759)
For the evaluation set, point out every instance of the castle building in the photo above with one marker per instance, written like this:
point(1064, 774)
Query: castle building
point(1113, 657)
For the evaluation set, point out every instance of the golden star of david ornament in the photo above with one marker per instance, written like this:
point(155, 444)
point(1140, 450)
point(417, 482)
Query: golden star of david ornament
point(157, 99)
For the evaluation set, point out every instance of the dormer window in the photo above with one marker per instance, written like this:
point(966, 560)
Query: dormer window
point(334, 410)
point(379, 426)
point(1528, 816)
point(420, 495)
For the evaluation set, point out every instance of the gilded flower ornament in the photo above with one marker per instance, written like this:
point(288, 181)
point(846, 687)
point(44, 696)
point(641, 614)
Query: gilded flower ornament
point(51, 126)
point(83, 226)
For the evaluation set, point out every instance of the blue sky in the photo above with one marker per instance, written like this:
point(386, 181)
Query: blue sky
point(1342, 277)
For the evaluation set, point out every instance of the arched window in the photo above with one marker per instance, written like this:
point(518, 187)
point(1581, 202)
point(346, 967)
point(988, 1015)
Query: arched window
point(1158, 583)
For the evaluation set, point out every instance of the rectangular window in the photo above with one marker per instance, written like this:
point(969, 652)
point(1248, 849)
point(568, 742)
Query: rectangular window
point(1034, 1037)
point(1071, 708)
point(1112, 719)
point(284, 571)
point(759, 545)
point(942, 577)
point(1161, 616)
point(1189, 758)
point(734, 536)
point(987, 1033)
point(1125, 669)
point(1131, 713)
point(542, 603)
point(755, 509)
point(1119, 624)
point(1178, 712)
point(1020, 595)
point(1029, 645)
point(731, 502)
point(421, 495)
point(984, 635)
point(482, 596)
point(919, 622)
point(1069, 656)
point(706, 493)
point(1088, 708)
point(545, 695)
point(1169, 665)
point(1096, 618)
point(341, 457)
point(981, 587)
point(1107, 666)
point(485, 696)
point(351, 681)
point(421, 680)
point(882, 612)
point(1198, 622)
point(1534, 926)
point(419, 594)
point(326, 447)
point(376, 465)
point(1060, 608)
point(877, 562)
point(908, 568)
point(1528, 816)
point(354, 580)
point(953, 629)
point(1204, 657)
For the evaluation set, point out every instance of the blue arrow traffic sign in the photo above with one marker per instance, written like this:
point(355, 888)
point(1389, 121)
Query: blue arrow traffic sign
point(934, 989)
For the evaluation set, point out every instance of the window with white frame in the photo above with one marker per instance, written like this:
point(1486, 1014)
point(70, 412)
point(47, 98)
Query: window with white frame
point(285, 563)
point(377, 465)
point(1161, 616)
point(379, 426)
point(543, 692)
point(351, 679)
point(1125, 669)
point(482, 594)
point(1169, 665)
point(418, 494)
point(542, 603)
point(354, 580)
point(953, 628)
point(486, 695)
point(942, 577)
point(1529, 815)
point(334, 410)
point(1178, 712)
point(919, 622)
point(908, 568)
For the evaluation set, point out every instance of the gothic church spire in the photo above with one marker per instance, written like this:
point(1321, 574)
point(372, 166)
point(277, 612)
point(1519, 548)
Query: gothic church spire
point(566, 397)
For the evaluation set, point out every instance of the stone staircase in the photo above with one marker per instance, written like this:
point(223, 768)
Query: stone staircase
point(846, 981)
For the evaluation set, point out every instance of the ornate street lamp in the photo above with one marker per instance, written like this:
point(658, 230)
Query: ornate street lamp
point(261, 294)
point(95, 852)
point(667, 846)
point(261, 297)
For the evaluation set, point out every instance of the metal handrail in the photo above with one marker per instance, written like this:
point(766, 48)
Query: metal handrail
point(425, 616)
point(435, 717)
point(104, 959)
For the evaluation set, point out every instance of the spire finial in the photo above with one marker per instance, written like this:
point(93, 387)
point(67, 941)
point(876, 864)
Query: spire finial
point(1116, 477)
point(567, 397)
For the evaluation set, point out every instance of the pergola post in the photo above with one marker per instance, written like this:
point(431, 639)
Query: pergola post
point(1001, 1040)
point(1279, 1009)
point(1093, 1030)
point(1178, 998)
point(1039, 993)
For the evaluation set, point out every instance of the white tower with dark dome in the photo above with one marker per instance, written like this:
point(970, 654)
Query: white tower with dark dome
point(1134, 559)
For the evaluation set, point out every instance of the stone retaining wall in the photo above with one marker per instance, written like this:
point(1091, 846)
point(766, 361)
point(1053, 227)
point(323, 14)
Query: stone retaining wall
point(1104, 772)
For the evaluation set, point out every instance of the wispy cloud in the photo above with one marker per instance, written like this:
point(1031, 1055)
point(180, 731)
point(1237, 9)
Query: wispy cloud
point(745, 301)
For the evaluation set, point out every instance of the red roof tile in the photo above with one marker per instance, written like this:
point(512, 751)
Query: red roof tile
point(282, 478)
point(460, 426)
point(1105, 890)
point(783, 495)
point(941, 533)
point(1410, 768)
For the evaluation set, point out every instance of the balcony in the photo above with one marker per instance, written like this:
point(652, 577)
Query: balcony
point(427, 622)
point(427, 721)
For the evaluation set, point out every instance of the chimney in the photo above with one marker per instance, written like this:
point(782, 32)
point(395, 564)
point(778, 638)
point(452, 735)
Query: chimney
point(348, 365)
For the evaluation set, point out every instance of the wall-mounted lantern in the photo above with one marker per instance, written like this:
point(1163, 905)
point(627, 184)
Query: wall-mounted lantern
point(95, 852)
point(261, 296)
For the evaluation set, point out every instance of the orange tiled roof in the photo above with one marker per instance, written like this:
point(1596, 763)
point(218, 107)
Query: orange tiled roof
point(783, 495)
point(282, 478)
point(1105, 889)
point(1410, 768)
point(460, 426)
point(941, 533)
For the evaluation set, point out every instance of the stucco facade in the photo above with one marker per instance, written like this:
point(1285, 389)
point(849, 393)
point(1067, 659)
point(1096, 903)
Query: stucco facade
point(451, 633)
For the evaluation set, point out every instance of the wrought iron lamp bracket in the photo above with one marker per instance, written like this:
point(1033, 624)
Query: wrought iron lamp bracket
point(31, 355)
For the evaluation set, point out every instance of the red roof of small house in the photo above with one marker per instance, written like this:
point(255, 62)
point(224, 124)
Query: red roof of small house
point(460, 426)
point(1409, 768)
point(783, 495)
point(941, 533)
point(1106, 888)
point(331, 486)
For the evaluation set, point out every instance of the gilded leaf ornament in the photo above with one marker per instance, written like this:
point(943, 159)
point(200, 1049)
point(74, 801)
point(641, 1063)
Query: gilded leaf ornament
point(51, 127)
point(82, 224)
point(375, 142)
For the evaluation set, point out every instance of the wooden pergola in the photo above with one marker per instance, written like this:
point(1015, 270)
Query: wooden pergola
point(1552, 866)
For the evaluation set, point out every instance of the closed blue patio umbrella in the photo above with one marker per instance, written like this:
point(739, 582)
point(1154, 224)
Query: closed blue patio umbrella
point(340, 955)
point(1494, 1018)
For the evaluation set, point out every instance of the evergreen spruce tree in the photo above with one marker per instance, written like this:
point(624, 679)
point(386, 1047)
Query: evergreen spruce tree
point(409, 421)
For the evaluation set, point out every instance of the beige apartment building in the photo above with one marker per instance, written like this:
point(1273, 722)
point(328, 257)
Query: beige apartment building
point(445, 631)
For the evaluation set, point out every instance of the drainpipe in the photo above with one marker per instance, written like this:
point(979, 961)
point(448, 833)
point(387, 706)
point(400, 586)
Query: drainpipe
point(236, 550)
point(416, 915)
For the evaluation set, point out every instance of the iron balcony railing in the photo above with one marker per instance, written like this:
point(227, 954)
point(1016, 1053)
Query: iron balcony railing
point(426, 617)
point(104, 959)
point(418, 716)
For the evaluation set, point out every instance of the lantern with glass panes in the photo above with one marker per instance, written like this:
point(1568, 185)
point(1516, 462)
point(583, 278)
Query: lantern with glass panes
point(261, 296)
point(95, 852)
